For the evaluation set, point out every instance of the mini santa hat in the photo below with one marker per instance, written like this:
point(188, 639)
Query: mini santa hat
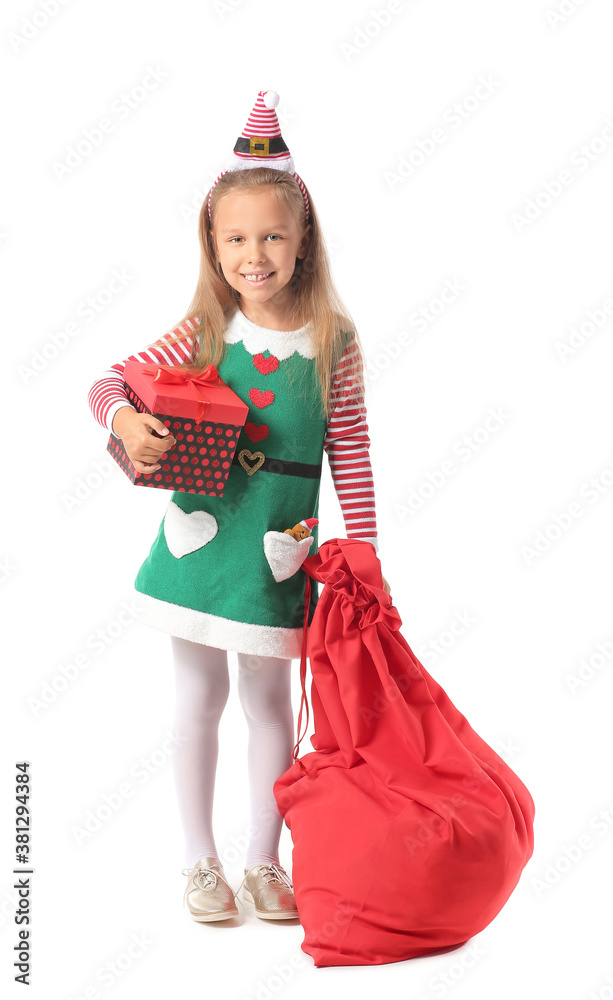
point(262, 145)
point(309, 522)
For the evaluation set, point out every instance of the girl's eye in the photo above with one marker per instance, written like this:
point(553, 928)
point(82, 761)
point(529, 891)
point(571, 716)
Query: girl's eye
point(274, 235)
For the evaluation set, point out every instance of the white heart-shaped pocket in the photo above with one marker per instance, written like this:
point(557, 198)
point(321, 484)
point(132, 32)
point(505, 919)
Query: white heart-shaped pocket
point(284, 553)
point(185, 532)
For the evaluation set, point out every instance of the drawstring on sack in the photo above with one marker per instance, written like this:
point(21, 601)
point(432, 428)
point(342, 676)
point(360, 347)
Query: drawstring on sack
point(303, 659)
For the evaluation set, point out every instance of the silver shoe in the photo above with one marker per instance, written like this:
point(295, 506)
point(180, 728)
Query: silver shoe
point(270, 888)
point(208, 895)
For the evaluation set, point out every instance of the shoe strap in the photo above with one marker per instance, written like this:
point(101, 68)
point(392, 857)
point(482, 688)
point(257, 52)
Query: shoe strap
point(211, 873)
point(277, 873)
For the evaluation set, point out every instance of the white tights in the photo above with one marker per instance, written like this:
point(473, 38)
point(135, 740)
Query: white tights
point(202, 688)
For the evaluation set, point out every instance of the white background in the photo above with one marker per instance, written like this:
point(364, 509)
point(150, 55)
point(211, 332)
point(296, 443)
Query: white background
point(358, 97)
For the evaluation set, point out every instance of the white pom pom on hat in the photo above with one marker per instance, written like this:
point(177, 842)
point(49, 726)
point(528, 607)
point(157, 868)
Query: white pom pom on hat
point(270, 97)
point(261, 144)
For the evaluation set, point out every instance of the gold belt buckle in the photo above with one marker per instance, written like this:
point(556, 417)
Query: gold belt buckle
point(259, 145)
point(244, 454)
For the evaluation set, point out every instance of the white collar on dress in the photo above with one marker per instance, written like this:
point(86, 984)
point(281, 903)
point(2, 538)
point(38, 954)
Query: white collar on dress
point(281, 343)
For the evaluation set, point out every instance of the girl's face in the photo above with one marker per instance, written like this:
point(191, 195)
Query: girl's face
point(255, 233)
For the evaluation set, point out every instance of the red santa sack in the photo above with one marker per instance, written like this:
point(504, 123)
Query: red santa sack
point(409, 832)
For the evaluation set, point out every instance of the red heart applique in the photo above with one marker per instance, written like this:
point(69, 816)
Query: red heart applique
point(265, 365)
point(261, 399)
point(255, 433)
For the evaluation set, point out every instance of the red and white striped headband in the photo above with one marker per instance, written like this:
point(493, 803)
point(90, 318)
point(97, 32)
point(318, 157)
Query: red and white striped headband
point(261, 144)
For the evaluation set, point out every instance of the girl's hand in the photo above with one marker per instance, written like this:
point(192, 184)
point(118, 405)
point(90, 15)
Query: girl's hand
point(386, 586)
point(135, 430)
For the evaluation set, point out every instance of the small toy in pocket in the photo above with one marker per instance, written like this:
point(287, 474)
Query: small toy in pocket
point(286, 550)
point(303, 529)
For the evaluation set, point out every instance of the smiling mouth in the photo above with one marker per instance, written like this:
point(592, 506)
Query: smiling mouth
point(255, 277)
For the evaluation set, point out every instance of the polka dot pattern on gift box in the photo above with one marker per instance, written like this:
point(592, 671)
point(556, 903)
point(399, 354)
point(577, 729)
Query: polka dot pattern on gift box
point(200, 461)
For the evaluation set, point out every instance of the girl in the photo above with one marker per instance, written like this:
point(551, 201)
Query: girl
point(266, 314)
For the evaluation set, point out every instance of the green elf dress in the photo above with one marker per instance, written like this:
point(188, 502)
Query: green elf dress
point(222, 571)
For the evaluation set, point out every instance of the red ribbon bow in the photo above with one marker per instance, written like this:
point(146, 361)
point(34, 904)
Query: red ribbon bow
point(193, 379)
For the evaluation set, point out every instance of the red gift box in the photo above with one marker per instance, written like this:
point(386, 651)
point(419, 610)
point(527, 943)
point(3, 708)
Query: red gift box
point(204, 415)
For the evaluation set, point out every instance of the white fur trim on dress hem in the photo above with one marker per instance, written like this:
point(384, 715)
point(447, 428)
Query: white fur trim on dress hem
point(212, 630)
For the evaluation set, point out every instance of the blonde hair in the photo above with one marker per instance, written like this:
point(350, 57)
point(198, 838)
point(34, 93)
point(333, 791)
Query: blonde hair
point(314, 296)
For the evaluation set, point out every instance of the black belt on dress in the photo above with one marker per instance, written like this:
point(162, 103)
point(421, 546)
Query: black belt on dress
point(254, 461)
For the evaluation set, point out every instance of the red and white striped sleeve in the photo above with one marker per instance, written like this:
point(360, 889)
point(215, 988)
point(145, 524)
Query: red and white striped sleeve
point(346, 443)
point(107, 394)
